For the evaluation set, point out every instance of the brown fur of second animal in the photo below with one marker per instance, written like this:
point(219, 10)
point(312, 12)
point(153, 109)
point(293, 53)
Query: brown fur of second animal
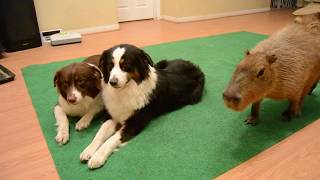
point(311, 23)
point(284, 66)
point(94, 59)
point(79, 89)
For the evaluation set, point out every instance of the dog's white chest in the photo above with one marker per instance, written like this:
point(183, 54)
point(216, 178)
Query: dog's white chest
point(76, 110)
point(122, 103)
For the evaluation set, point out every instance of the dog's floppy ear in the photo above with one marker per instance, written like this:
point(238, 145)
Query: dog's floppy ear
point(97, 72)
point(146, 58)
point(56, 78)
point(103, 64)
point(142, 70)
point(100, 63)
point(97, 75)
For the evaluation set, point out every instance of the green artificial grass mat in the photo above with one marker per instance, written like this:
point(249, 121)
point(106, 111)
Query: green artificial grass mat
point(196, 142)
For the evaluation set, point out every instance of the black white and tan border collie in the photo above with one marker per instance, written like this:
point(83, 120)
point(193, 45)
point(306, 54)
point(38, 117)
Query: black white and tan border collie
point(135, 92)
point(79, 88)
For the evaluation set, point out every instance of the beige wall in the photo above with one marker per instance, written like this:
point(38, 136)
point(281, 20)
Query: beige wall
point(71, 14)
point(75, 14)
point(185, 8)
point(169, 7)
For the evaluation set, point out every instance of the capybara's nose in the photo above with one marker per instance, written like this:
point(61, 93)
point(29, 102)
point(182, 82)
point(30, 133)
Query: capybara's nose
point(234, 97)
point(113, 82)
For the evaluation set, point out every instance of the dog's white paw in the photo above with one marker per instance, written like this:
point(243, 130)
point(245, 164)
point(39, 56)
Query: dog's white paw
point(96, 161)
point(82, 124)
point(62, 137)
point(86, 154)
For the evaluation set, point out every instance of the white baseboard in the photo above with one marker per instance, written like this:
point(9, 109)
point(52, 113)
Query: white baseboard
point(212, 16)
point(96, 29)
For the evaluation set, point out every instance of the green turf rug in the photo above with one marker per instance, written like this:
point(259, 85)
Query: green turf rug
point(196, 142)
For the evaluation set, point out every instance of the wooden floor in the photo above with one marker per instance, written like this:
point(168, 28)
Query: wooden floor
point(24, 153)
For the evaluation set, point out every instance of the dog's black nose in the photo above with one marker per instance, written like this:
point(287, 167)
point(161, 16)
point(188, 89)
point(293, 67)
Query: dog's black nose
point(113, 81)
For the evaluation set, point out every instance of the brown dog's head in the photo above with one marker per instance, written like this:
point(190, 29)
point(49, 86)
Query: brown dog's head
point(78, 80)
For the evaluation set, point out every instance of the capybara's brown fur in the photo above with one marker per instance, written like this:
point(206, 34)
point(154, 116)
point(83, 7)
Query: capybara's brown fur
point(310, 22)
point(284, 66)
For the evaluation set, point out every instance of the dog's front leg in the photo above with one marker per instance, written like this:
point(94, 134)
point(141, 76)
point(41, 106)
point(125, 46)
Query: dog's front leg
point(99, 157)
point(62, 122)
point(129, 130)
point(95, 107)
point(106, 130)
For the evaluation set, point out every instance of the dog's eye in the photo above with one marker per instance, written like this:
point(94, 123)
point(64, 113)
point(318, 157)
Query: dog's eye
point(80, 82)
point(65, 82)
point(109, 66)
point(125, 66)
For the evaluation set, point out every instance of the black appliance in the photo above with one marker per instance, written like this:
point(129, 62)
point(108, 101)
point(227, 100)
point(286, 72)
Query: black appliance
point(18, 25)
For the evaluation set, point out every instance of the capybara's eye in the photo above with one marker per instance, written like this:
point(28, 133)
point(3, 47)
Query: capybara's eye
point(260, 73)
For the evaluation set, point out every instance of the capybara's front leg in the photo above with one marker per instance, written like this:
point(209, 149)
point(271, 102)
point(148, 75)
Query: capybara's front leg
point(254, 116)
point(294, 109)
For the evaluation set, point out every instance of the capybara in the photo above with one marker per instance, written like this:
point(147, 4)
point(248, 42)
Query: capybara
point(284, 66)
point(311, 23)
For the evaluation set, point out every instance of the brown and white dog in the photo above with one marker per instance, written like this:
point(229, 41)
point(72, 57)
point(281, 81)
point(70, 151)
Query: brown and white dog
point(79, 88)
point(135, 92)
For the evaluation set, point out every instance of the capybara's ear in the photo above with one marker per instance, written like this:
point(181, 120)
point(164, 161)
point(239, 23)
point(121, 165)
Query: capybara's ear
point(247, 52)
point(271, 58)
point(55, 79)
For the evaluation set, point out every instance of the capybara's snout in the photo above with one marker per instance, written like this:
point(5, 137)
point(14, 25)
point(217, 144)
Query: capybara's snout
point(231, 97)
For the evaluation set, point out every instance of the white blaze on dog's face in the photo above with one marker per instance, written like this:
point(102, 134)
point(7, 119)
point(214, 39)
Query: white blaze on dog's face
point(124, 63)
point(118, 78)
point(77, 95)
